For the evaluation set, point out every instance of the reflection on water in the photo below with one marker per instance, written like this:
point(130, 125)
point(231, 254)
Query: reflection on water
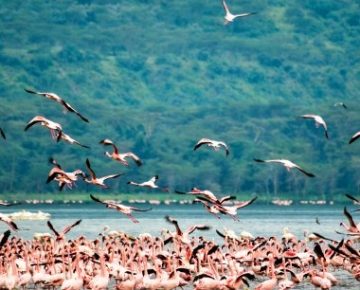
point(265, 220)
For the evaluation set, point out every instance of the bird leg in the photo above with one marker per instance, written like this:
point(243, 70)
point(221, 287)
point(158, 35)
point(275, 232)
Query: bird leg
point(134, 220)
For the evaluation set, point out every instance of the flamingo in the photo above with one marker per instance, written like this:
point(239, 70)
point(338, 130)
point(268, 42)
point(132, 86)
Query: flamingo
point(98, 181)
point(340, 104)
point(216, 145)
point(127, 210)
point(118, 156)
point(232, 210)
point(354, 137)
point(229, 17)
point(61, 235)
point(208, 195)
point(55, 128)
point(287, 164)
point(151, 183)
point(319, 121)
point(101, 280)
point(58, 99)
point(183, 236)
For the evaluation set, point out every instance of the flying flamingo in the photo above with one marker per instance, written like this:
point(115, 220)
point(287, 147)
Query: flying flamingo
point(56, 98)
point(352, 227)
point(287, 164)
point(127, 210)
point(120, 157)
point(319, 121)
point(98, 181)
point(61, 235)
point(229, 17)
point(71, 140)
point(55, 128)
point(216, 145)
point(151, 183)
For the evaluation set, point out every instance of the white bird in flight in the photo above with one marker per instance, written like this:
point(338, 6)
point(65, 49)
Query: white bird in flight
point(216, 145)
point(319, 121)
point(229, 17)
point(56, 98)
point(287, 164)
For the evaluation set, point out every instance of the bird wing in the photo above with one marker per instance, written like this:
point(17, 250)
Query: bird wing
point(226, 147)
point(191, 229)
point(111, 176)
point(2, 133)
point(52, 228)
point(349, 217)
point(68, 228)
point(4, 238)
point(246, 203)
point(34, 121)
point(226, 198)
point(202, 142)
point(308, 116)
point(54, 162)
point(244, 14)
point(318, 251)
point(71, 109)
point(10, 223)
point(220, 234)
point(140, 209)
point(354, 137)
point(303, 171)
point(226, 8)
point(134, 157)
point(109, 142)
point(92, 173)
point(97, 200)
point(175, 223)
point(352, 198)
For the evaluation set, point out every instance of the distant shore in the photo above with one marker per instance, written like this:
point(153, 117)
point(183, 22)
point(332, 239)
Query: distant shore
point(157, 198)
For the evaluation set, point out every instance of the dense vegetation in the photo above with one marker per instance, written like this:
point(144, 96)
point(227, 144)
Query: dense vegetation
point(156, 76)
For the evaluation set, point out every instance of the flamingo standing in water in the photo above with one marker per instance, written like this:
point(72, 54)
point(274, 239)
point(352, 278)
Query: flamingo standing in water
point(229, 17)
point(120, 157)
point(56, 98)
point(127, 210)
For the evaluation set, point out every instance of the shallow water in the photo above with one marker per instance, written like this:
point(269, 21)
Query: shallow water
point(264, 220)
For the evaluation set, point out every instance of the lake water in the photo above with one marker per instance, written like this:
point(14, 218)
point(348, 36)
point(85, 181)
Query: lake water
point(264, 220)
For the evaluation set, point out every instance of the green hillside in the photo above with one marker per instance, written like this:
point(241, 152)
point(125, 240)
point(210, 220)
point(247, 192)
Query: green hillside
point(156, 76)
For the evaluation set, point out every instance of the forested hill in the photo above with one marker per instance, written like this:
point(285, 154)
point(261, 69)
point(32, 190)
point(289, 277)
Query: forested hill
point(156, 76)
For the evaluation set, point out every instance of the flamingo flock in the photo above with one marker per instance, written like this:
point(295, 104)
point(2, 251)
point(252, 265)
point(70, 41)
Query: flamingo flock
point(177, 259)
point(174, 259)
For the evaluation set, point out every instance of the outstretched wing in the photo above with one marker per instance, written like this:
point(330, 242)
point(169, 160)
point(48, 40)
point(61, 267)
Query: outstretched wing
point(2, 134)
point(349, 218)
point(92, 173)
point(96, 199)
point(108, 142)
point(71, 109)
point(140, 209)
point(34, 121)
point(305, 172)
point(133, 157)
point(246, 203)
point(68, 228)
point(175, 223)
point(354, 137)
point(226, 198)
point(4, 238)
point(226, 8)
point(111, 176)
point(198, 227)
point(352, 198)
point(52, 228)
point(202, 142)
